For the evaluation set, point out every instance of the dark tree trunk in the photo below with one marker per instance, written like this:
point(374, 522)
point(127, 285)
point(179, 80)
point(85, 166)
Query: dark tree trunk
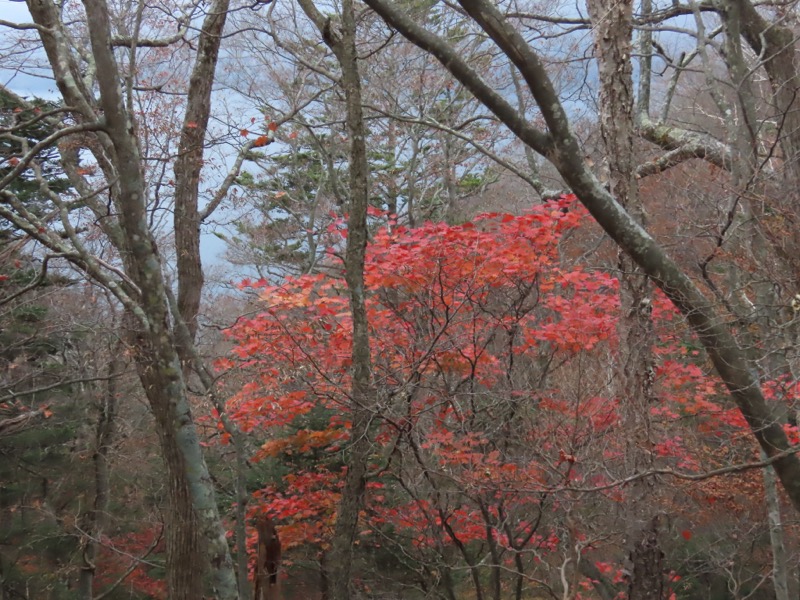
point(189, 163)
point(647, 575)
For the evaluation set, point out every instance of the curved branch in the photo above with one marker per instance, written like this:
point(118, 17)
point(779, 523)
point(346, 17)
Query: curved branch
point(730, 361)
point(45, 143)
point(681, 146)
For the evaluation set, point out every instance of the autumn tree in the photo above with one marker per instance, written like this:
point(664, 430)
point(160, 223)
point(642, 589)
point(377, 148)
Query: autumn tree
point(435, 101)
point(499, 436)
point(558, 144)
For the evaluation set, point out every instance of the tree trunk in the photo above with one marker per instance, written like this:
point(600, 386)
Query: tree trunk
point(189, 163)
point(184, 552)
point(645, 64)
point(647, 575)
point(341, 555)
point(104, 437)
point(193, 513)
point(193, 518)
point(612, 24)
point(108, 131)
point(342, 41)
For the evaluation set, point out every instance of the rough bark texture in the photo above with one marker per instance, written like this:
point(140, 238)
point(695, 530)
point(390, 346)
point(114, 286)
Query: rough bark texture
point(612, 25)
point(189, 482)
point(193, 514)
point(342, 41)
point(190, 162)
point(647, 575)
point(561, 148)
point(352, 501)
point(645, 62)
point(186, 553)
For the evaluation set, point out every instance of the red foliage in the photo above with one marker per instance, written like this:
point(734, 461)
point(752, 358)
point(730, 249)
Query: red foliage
point(463, 318)
point(117, 555)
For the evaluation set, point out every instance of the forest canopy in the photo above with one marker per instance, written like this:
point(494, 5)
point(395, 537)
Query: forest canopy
point(417, 299)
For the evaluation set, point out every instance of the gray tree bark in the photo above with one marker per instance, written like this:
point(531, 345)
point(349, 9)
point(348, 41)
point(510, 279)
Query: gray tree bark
point(185, 552)
point(193, 517)
point(612, 25)
point(342, 41)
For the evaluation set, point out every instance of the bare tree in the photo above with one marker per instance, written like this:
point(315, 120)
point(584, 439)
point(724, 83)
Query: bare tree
point(97, 123)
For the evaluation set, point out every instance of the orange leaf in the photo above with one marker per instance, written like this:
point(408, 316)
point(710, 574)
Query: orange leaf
point(261, 140)
point(244, 133)
point(273, 126)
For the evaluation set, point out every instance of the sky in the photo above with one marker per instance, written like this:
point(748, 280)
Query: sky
point(26, 85)
point(22, 84)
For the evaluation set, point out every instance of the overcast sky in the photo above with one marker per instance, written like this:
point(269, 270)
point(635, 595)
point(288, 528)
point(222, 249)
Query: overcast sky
point(22, 84)
point(28, 86)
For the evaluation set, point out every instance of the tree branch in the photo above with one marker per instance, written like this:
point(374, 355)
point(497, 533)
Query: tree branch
point(564, 152)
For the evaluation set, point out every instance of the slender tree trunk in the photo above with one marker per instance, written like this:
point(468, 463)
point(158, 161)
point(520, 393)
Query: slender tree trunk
point(645, 64)
point(184, 547)
point(612, 24)
point(104, 438)
point(189, 163)
point(342, 41)
point(352, 501)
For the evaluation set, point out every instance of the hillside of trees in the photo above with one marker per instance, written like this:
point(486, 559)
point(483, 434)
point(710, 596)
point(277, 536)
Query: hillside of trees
point(415, 299)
